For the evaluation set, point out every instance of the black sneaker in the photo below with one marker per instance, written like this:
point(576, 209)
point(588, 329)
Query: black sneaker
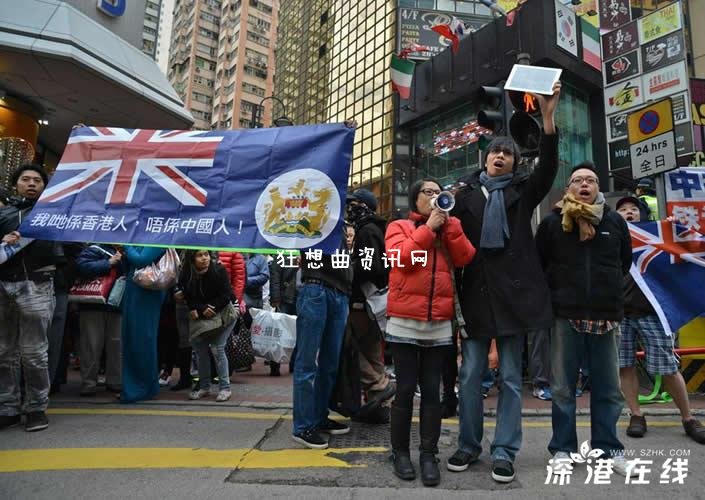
point(311, 439)
point(333, 427)
point(461, 460)
point(503, 471)
point(36, 421)
point(7, 421)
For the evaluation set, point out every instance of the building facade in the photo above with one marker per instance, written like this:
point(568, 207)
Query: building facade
point(75, 62)
point(150, 27)
point(333, 64)
point(221, 60)
point(166, 17)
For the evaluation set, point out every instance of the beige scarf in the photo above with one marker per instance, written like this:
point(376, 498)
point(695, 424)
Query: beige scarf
point(586, 216)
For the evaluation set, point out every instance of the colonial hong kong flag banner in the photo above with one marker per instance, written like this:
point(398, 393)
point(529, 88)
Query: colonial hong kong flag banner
point(669, 267)
point(236, 189)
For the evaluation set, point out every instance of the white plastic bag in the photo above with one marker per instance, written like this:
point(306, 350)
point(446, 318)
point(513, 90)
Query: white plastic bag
point(273, 335)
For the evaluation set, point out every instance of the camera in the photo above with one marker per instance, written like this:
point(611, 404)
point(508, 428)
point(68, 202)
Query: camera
point(444, 201)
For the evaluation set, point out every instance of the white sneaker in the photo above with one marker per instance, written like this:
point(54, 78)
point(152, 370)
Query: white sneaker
point(200, 393)
point(561, 460)
point(163, 382)
point(622, 466)
point(223, 395)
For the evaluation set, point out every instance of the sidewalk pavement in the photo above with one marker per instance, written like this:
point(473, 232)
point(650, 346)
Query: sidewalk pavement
point(256, 389)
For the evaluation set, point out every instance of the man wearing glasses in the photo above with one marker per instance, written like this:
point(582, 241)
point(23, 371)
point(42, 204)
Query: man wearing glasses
point(503, 294)
point(586, 251)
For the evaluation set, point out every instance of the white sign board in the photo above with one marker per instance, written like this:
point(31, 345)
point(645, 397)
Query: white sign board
point(654, 155)
point(536, 79)
point(665, 81)
point(623, 96)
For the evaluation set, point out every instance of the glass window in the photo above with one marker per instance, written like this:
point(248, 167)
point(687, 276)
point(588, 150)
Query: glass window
point(448, 5)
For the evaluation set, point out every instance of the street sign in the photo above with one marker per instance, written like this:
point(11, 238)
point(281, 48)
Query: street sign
point(654, 155)
point(650, 121)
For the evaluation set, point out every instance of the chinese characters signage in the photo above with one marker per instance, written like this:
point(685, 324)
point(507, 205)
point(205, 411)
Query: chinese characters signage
point(415, 28)
point(614, 13)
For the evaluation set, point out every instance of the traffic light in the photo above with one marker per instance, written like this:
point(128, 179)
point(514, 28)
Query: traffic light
point(523, 126)
point(493, 109)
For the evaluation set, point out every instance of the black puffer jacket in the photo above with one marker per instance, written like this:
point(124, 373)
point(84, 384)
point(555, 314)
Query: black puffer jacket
point(586, 279)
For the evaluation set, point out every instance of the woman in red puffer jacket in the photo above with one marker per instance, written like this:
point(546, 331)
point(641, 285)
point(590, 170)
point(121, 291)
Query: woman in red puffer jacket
point(234, 263)
point(420, 306)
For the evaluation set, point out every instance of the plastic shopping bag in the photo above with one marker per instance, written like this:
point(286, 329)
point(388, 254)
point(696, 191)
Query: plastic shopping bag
point(273, 334)
point(160, 275)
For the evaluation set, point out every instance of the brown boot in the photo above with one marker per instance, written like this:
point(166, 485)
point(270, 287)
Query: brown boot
point(637, 426)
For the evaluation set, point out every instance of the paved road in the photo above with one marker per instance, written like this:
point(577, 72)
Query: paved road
point(206, 451)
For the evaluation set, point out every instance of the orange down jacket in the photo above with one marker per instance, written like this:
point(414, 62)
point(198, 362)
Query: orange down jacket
point(234, 263)
point(420, 292)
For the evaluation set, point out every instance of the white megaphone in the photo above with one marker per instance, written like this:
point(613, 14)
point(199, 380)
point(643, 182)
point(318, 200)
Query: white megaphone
point(444, 201)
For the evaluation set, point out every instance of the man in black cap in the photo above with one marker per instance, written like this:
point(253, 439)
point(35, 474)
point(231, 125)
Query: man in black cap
point(370, 276)
point(642, 323)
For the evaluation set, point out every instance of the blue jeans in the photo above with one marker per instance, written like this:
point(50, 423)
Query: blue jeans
point(488, 380)
point(217, 346)
point(606, 400)
point(507, 436)
point(320, 328)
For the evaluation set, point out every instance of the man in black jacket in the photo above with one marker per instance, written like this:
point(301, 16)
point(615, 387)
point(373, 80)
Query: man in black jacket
point(26, 310)
point(503, 294)
point(369, 275)
point(585, 250)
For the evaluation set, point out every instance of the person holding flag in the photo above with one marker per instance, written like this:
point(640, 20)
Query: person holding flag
point(642, 323)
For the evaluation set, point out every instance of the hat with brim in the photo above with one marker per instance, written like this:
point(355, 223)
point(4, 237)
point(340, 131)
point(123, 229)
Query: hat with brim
point(627, 199)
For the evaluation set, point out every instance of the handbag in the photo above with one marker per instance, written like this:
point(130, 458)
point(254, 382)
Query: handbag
point(204, 327)
point(97, 290)
point(93, 291)
point(159, 275)
point(238, 347)
point(116, 292)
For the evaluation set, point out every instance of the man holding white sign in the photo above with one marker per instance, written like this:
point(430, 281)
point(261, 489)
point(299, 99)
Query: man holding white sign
point(503, 293)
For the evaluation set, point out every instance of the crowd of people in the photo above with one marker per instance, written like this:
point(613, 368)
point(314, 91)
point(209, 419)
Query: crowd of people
point(487, 283)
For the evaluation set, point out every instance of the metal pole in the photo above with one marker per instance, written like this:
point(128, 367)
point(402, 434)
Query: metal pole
point(253, 121)
point(661, 195)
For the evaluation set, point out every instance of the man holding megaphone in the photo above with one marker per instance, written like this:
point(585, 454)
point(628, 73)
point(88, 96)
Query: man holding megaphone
point(503, 292)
